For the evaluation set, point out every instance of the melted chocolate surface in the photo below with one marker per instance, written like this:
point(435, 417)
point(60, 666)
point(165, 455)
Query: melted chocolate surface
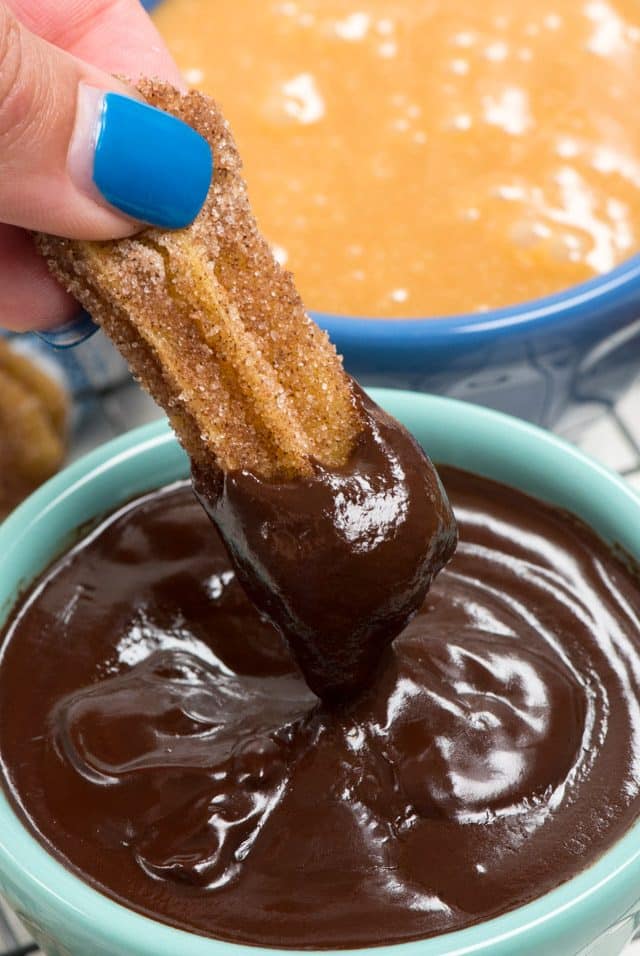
point(339, 561)
point(157, 737)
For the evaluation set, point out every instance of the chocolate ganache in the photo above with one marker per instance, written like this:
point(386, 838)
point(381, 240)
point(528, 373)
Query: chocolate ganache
point(157, 737)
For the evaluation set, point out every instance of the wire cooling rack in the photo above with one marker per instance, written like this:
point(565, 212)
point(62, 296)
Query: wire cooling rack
point(613, 437)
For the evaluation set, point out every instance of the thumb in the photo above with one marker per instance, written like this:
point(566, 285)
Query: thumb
point(81, 155)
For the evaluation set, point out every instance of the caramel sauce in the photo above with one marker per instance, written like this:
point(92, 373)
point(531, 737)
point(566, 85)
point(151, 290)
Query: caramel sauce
point(411, 158)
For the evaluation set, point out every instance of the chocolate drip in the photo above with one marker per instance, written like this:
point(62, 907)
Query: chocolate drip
point(341, 561)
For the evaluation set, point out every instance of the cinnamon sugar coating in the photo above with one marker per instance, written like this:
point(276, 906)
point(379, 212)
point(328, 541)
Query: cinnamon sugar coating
point(213, 327)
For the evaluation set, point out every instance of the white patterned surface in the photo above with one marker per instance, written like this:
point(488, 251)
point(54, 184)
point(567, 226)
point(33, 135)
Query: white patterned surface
point(614, 439)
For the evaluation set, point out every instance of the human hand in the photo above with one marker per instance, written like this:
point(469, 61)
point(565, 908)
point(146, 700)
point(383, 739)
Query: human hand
point(74, 161)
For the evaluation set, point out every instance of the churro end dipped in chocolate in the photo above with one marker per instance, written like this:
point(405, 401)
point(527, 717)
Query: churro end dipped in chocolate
point(340, 559)
point(335, 518)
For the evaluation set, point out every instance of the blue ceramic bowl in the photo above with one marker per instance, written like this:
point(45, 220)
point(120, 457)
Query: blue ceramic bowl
point(594, 914)
point(547, 361)
point(553, 361)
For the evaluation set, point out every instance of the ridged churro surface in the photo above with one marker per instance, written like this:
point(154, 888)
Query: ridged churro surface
point(214, 328)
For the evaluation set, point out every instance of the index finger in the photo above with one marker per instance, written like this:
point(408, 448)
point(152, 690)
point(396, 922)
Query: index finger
point(115, 35)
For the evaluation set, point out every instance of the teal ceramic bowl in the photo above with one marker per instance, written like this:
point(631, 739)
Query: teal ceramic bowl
point(595, 914)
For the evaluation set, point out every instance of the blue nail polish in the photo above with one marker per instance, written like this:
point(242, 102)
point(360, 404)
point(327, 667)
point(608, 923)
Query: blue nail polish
point(150, 165)
point(72, 333)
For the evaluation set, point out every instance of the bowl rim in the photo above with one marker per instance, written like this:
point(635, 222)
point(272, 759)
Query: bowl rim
point(51, 888)
point(582, 301)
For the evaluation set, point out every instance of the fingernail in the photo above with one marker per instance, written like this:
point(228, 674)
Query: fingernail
point(72, 333)
point(148, 164)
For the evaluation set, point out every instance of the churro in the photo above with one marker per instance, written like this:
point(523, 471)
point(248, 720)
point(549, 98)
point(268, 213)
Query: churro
point(214, 328)
point(316, 492)
point(33, 413)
